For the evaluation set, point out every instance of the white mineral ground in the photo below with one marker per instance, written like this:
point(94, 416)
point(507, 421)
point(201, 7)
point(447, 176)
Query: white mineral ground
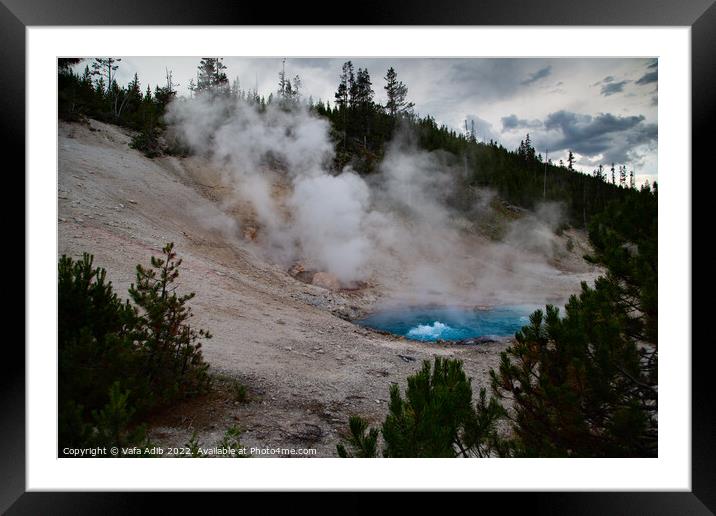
point(306, 369)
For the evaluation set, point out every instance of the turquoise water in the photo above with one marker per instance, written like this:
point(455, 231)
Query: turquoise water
point(429, 324)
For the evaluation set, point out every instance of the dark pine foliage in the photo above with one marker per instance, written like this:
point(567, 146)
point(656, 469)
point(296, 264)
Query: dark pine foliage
point(84, 95)
point(437, 418)
point(586, 384)
point(118, 361)
point(360, 127)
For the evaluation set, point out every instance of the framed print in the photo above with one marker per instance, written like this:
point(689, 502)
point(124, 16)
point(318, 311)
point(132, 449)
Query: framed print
point(435, 241)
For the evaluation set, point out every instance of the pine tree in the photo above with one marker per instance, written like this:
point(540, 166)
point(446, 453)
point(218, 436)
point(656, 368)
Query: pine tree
point(344, 97)
point(105, 67)
point(575, 382)
point(526, 151)
point(585, 384)
point(164, 331)
point(363, 101)
point(341, 95)
point(397, 93)
point(65, 63)
point(613, 175)
point(211, 76)
point(289, 92)
point(570, 161)
point(284, 84)
point(435, 419)
point(171, 86)
point(117, 361)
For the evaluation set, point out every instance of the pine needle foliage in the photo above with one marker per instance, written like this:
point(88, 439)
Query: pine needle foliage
point(362, 441)
point(120, 360)
point(436, 418)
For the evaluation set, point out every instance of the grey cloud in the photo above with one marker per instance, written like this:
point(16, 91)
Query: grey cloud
point(511, 123)
point(485, 80)
point(578, 126)
point(608, 78)
point(648, 78)
point(536, 76)
point(610, 88)
point(615, 137)
point(448, 89)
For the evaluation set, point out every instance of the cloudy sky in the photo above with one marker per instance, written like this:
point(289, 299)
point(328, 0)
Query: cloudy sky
point(604, 110)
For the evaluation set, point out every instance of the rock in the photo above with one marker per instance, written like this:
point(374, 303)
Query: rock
point(476, 340)
point(296, 268)
point(326, 280)
point(132, 201)
point(304, 432)
point(406, 358)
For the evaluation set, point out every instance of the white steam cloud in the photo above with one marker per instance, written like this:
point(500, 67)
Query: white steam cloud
point(396, 227)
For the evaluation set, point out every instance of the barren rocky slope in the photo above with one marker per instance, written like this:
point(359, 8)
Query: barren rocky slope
point(306, 368)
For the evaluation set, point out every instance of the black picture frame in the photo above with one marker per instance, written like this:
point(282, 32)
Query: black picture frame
point(700, 15)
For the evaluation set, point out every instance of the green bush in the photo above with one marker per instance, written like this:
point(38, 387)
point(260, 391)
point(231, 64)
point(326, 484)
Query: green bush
point(147, 142)
point(118, 361)
point(436, 419)
point(363, 441)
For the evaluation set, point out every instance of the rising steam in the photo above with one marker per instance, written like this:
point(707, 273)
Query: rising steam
point(397, 227)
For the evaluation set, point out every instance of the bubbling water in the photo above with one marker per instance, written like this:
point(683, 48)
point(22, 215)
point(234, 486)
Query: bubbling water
point(429, 324)
point(433, 331)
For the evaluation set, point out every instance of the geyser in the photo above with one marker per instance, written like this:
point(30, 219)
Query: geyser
point(450, 323)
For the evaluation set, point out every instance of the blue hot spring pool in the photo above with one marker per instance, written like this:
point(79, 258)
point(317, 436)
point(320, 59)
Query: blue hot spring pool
point(449, 323)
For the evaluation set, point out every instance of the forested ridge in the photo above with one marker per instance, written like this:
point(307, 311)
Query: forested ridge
point(361, 129)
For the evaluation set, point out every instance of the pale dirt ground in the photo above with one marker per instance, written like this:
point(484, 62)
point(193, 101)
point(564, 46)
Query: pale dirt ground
point(305, 368)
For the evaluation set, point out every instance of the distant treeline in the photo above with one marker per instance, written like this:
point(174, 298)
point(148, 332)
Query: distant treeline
point(361, 129)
